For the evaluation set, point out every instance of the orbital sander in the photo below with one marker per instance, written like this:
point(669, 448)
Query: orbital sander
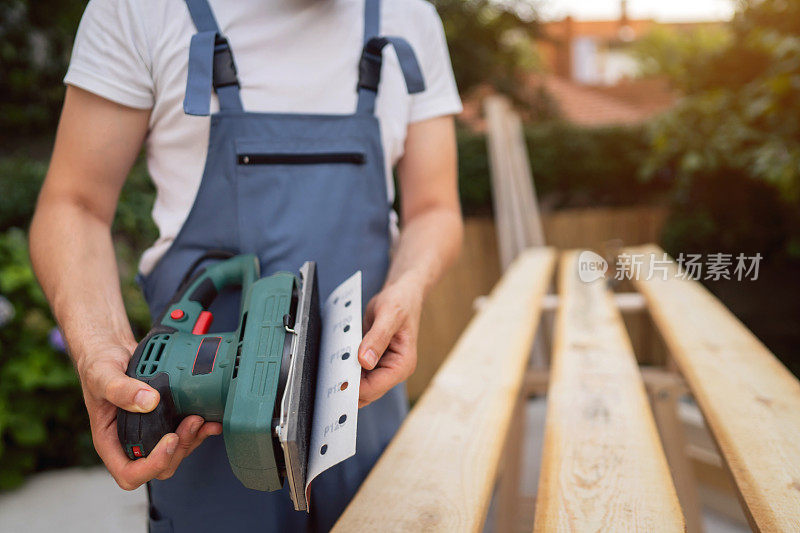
point(259, 380)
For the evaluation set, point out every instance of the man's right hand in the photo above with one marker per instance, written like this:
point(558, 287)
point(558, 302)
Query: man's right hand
point(105, 388)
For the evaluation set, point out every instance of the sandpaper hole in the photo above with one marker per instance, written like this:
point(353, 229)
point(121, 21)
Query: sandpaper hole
point(347, 303)
point(323, 449)
point(347, 328)
point(345, 356)
point(343, 386)
point(342, 419)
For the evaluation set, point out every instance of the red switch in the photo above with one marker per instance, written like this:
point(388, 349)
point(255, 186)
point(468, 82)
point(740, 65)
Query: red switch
point(137, 452)
point(203, 323)
point(177, 314)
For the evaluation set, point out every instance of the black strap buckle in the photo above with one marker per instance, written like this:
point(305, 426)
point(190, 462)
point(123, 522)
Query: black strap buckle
point(369, 68)
point(224, 67)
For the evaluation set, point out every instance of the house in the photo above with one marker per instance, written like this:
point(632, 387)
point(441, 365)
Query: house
point(591, 75)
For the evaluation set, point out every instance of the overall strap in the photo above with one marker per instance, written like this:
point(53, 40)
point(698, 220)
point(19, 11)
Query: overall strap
point(369, 70)
point(372, 19)
point(211, 65)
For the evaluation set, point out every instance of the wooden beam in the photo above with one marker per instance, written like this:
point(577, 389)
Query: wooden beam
point(750, 401)
point(508, 494)
point(627, 302)
point(665, 390)
point(656, 378)
point(602, 466)
point(501, 168)
point(439, 471)
point(535, 383)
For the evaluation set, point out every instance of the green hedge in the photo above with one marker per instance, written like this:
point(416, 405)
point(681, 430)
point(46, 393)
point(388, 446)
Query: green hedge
point(43, 423)
point(571, 166)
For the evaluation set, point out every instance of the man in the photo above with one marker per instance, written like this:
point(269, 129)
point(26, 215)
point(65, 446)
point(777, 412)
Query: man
point(310, 78)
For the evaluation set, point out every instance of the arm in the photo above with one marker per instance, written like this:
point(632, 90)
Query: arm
point(73, 256)
point(430, 239)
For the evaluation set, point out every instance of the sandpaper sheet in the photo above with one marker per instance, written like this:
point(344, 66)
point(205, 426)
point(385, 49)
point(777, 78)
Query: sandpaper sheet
point(334, 423)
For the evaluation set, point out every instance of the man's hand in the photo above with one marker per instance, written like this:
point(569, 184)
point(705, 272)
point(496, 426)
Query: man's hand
point(388, 352)
point(430, 238)
point(105, 388)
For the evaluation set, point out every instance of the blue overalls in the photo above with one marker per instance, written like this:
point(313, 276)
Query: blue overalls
point(288, 188)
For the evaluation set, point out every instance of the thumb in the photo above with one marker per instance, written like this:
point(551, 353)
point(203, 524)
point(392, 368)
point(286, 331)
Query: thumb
point(123, 391)
point(377, 340)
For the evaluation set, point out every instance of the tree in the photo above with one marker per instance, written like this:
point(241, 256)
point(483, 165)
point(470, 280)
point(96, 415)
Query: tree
point(673, 53)
point(490, 42)
point(35, 44)
point(741, 113)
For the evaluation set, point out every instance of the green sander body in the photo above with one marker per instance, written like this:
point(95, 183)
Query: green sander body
point(259, 380)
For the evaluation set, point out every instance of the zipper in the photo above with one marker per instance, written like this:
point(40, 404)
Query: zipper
point(355, 158)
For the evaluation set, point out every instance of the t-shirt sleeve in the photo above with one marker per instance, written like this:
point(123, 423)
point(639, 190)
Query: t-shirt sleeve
point(110, 56)
point(441, 95)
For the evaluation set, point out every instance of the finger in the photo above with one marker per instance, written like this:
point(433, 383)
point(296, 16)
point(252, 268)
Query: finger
point(110, 383)
point(205, 431)
point(376, 383)
point(208, 429)
point(369, 315)
point(187, 433)
point(132, 474)
point(377, 339)
point(192, 431)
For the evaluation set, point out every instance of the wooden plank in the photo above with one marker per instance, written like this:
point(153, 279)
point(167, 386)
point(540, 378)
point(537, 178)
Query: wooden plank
point(535, 383)
point(508, 493)
point(439, 471)
point(516, 208)
point(751, 402)
point(500, 171)
point(512, 201)
point(665, 390)
point(626, 302)
point(602, 466)
point(524, 191)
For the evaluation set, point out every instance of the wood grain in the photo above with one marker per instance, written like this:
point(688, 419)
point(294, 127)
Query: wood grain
point(749, 399)
point(438, 472)
point(603, 468)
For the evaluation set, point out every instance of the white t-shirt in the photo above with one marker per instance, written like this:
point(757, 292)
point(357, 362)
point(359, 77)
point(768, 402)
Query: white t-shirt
point(298, 56)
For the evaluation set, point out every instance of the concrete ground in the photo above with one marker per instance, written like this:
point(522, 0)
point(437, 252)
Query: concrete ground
point(75, 500)
point(85, 500)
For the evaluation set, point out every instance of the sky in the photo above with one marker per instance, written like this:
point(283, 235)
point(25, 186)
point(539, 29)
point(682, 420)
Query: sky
point(663, 10)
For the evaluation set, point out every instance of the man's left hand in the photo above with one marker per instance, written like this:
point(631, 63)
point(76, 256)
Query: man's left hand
point(388, 352)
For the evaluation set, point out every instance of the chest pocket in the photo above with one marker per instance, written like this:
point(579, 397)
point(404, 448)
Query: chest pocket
point(310, 196)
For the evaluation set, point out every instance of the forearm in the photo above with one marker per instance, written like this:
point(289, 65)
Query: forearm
point(429, 243)
point(73, 257)
point(71, 249)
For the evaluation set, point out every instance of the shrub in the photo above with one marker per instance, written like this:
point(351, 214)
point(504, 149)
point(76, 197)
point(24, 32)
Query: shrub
point(748, 218)
point(20, 181)
point(42, 420)
point(571, 167)
point(43, 423)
